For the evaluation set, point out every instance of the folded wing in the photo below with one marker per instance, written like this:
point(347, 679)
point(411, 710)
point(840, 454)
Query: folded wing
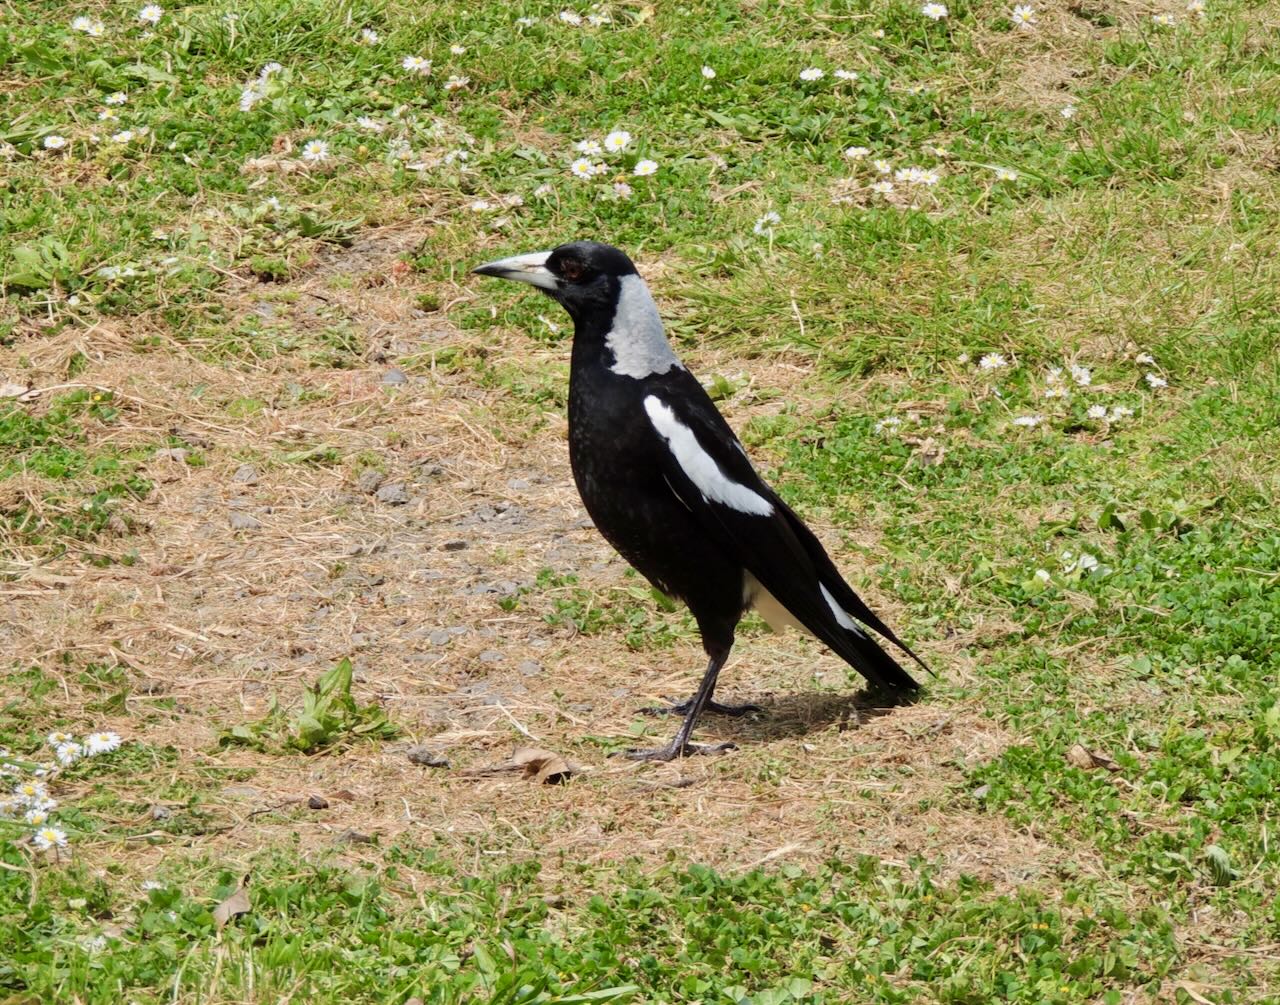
point(709, 472)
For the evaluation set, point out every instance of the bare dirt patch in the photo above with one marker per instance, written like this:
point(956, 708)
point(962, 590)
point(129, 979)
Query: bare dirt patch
point(349, 512)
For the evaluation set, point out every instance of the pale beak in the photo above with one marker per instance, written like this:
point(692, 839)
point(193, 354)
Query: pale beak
point(531, 269)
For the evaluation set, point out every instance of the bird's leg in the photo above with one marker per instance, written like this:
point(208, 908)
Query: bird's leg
point(714, 707)
point(680, 745)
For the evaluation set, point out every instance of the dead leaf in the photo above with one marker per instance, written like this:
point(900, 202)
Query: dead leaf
point(12, 390)
point(534, 763)
point(236, 904)
point(928, 452)
point(1081, 757)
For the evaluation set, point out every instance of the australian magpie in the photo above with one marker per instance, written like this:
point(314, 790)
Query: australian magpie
point(670, 487)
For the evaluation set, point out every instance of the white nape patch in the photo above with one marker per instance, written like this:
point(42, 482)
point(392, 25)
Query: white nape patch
point(842, 618)
point(637, 339)
point(700, 467)
point(767, 605)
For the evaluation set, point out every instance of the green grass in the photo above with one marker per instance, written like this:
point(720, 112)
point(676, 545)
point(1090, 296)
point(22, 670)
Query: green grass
point(1145, 224)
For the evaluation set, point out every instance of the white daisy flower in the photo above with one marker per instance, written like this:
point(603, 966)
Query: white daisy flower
point(456, 83)
point(1164, 20)
point(621, 190)
point(68, 753)
point(81, 23)
point(369, 123)
point(1197, 8)
point(1023, 16)
point(91, 26)
point(708, 73)
point(597, 19)
point(882, 187)
point(766, 223)
point(151, 14)
point(1068, 111)
point(846, 74)
point(856, 153)
point(583, 168)
point(878, 33)
point(1006, 174)
point(888, 425)
point(644, 168)
point(273, 204)
point(481, 206)
point(1097, 412)
point(993, 361)
point(151, 884)
point(962, 358)
point(1043, 575)
point(929, 177)
point(269, 69)
point(49, 837)
point(115, 98)
point(101, 743)
point(57, 738)
point(934, 11)
point(458, 50)
point(1145, 359)
point(1081, 375)
point(31, 793)
point(591, 148)
point(1029, 421)
point(812, 73)
point(416, 64)
point(571, 17)
point(882, 166)
point(456, 155)
point(1155, 381)
point(124, 136)
point(1056, 391)
point(1120, 412)
point(525, 22)
point(315, 151)
point(617, 141)
point(36, 817)
point(54, 142)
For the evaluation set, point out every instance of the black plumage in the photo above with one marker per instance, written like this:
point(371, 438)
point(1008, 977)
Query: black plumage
point(668, 484)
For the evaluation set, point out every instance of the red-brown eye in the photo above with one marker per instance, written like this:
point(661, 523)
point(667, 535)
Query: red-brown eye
point(571, 270)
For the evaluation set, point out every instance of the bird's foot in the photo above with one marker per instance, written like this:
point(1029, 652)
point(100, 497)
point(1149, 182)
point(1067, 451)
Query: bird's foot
point(682, 708)
point(672, 751)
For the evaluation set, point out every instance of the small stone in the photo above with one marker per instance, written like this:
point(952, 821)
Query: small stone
point(454, 545)
point(393, 494)
point(178, 454)
point(354, 837)
point(159, 812)
point(491, 656)
point(529, 668)
point(317, 803)
point(517, 484)
point(246, 474)
point(425, 756)
point(243, 521)
point(395, 376)
point(370, 481)
point(440, 637)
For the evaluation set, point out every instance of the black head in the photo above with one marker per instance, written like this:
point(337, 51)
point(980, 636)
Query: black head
point(583, 276)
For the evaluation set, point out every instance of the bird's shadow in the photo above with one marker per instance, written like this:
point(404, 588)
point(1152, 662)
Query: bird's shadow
point(791, 715)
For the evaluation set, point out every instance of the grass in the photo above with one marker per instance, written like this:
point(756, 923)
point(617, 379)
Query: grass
point(197, 286)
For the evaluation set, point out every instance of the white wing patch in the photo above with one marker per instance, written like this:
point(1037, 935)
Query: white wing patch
point(842, 619)
point(637, 340)
point(700, 467)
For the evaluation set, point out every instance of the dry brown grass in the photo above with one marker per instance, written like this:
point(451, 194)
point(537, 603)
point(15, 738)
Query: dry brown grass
point(216, 621)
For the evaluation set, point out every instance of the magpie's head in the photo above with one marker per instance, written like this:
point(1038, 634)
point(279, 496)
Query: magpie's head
point(584, 276)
